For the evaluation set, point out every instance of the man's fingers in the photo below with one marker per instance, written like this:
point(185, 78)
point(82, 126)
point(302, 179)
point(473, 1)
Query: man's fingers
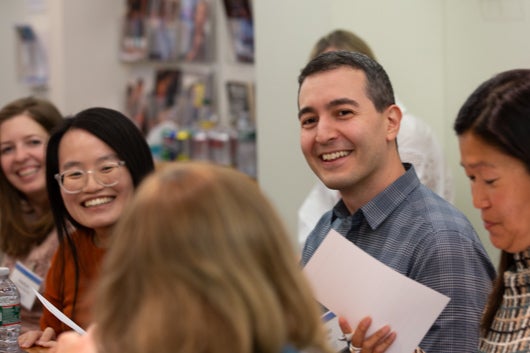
point(385, 343)
point(344, 325)
point(360, 332)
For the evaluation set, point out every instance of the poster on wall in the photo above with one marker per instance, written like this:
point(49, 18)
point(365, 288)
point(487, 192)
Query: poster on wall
point(32, 63)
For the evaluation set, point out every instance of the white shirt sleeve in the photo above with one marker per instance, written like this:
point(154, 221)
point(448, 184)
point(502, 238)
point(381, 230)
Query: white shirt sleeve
point(319, 200)
point(418, 145)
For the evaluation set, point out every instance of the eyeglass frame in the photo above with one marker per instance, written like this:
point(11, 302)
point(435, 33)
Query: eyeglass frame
point(59, 177)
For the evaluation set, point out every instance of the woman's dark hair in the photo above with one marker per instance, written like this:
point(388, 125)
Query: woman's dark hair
point(498, 113)
point(17, 236)
point(120, 134)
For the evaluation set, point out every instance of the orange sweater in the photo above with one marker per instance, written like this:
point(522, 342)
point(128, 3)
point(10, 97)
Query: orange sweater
point(60, 283)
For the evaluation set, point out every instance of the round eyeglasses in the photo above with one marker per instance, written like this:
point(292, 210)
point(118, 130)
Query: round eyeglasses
point(73, 181)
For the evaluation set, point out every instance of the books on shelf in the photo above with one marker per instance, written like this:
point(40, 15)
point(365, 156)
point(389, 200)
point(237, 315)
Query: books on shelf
point(133, 45)
point(240, 96)
point(196, 40)
point(162, 29)
point(196, 99)
point(167, 30)
point(170, 94)
point(167, 94)
point(136, 105)
point(163, 98)
point(241, 28)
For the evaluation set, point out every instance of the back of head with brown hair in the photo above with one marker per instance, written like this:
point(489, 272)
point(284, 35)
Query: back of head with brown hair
point(201, 262)
point(341, 39)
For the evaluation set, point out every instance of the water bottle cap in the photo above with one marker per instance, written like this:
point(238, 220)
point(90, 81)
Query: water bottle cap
point(4, 271)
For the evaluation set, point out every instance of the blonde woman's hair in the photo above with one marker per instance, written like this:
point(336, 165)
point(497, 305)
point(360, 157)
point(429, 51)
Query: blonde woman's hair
point(201, 262)
point(341, 39)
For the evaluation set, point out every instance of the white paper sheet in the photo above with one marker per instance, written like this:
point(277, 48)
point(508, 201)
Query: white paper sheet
point(58, 314)
point(353, 284)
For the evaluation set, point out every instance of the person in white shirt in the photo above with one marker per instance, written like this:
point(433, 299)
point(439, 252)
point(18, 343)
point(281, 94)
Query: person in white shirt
point(417, 145)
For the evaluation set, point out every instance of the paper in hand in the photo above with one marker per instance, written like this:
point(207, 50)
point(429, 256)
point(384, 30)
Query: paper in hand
point(58, 314)
point(353, 284)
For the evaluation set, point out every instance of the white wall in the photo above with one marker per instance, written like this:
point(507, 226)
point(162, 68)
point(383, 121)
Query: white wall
point(11, 12)
point(407, 39)
point(285, 31)
point(92, 73)
point(81, 39)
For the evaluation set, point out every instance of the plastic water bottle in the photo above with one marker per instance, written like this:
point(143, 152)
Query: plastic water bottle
point(9, 313)
point(246, 146)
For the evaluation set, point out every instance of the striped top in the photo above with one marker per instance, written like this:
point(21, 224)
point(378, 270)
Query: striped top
point(419, 234)
point(510, 330)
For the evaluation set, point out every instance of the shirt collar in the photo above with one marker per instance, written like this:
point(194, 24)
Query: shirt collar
point(522, 260)
point(380, 207)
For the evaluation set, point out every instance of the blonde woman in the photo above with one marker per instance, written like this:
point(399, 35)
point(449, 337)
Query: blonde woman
point(201, 262)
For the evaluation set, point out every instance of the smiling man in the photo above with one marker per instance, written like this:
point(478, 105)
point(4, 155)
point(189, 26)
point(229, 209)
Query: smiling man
point(349, 122)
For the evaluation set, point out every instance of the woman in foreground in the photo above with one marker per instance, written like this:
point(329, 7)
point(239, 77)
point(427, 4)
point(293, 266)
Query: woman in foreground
point(200, 262)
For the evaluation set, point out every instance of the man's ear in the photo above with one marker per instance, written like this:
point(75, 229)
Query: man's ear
point(393, 115)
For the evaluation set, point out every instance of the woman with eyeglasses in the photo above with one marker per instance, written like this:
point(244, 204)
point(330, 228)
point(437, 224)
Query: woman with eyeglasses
point(95, 160)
